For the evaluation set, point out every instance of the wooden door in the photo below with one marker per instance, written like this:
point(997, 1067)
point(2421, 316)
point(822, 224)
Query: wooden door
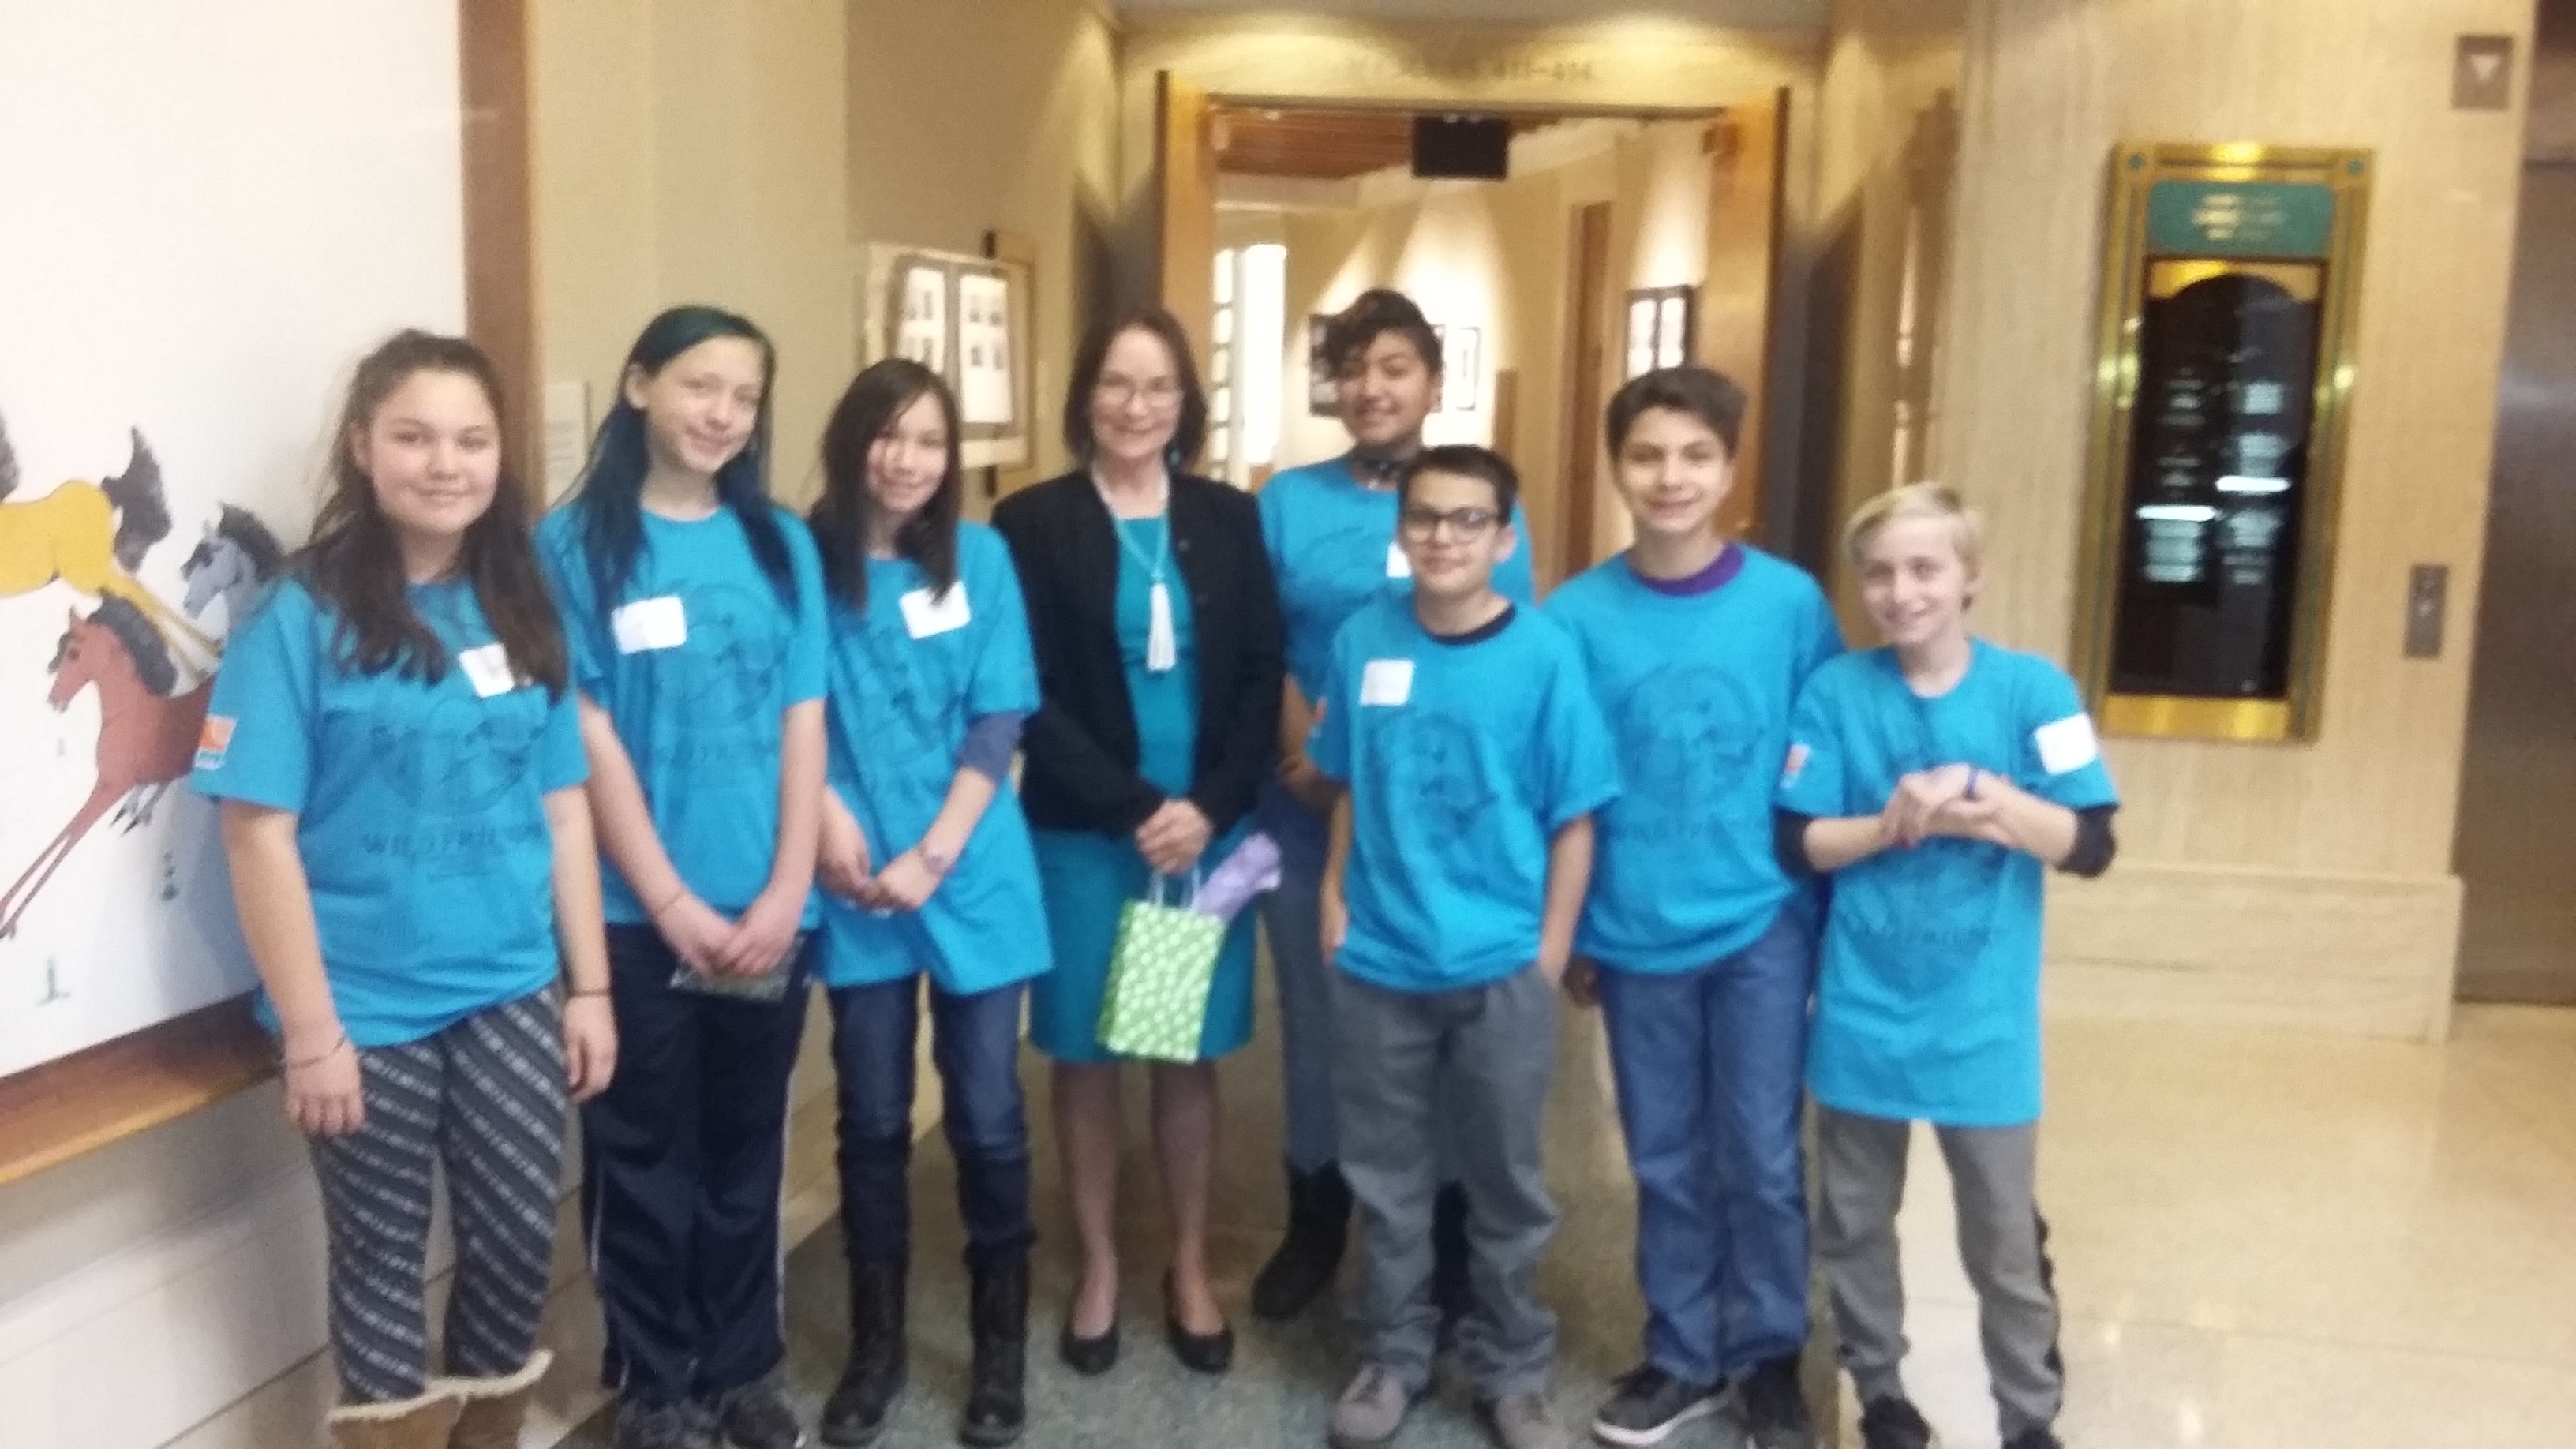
point(1746, 155)
point(1185, 207)
point(1587, 361)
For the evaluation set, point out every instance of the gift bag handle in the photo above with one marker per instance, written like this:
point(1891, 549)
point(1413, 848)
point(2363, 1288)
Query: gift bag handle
point(1163, 886)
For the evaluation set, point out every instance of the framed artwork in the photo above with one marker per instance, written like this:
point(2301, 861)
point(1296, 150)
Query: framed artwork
point(1323, 391)
point(1462, 367)
point(970, 320)
point(1662, 323)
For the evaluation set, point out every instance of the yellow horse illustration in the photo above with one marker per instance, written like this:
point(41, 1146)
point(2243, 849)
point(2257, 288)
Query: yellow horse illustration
point(91, 536)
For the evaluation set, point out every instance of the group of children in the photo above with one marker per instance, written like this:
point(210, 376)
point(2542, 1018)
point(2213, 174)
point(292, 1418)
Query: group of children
point(521, 817)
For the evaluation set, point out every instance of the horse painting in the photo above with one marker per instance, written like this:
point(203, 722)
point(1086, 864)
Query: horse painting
point(147, 737)
point(236, 558)
point(92, 536)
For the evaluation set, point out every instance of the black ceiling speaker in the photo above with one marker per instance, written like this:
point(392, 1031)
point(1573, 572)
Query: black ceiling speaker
point(1476, 148)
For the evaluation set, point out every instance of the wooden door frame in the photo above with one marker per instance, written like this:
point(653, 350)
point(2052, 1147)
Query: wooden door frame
point(500, 218)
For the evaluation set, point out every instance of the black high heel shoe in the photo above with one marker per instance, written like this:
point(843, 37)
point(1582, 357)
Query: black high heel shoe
point(1207, 1353)
point(1089, 1357)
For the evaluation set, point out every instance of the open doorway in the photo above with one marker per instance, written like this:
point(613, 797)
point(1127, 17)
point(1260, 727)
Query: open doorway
point(1609, 243)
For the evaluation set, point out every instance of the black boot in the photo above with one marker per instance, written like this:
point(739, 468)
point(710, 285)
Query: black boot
point(1319, 1224)
point(1449, 1283)
point(996, 1404)
point(857, 1413)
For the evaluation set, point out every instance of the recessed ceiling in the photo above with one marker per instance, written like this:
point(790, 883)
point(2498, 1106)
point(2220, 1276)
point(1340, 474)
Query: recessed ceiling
point(1750, 14)
point(1319, 145)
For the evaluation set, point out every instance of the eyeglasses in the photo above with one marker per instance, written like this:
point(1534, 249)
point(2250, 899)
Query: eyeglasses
point(1158, 394)
point(1464, 523)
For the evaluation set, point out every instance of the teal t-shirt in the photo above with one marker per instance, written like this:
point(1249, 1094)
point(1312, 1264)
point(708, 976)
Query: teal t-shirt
point(1464, 759)
point(1927, 1005)
point(908, 678)
point(420, 807)
point(697, 664)
point(1697, 690)
point(1333, 549)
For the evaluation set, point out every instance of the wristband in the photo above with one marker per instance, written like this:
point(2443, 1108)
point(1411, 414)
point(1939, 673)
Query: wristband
point(328, 1053)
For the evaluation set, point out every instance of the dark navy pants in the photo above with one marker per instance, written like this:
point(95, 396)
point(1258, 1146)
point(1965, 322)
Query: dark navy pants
point(975, 1043)
point(682, 1159)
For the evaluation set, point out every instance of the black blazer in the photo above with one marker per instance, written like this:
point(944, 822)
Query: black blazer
point(1081, 746)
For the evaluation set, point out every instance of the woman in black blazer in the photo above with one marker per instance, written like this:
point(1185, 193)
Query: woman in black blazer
point(1160, 654)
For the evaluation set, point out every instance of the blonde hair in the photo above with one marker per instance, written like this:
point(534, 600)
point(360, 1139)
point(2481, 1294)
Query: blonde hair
point(1917, 500)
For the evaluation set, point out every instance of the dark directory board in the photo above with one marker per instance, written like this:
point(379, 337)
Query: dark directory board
point(2216, 443)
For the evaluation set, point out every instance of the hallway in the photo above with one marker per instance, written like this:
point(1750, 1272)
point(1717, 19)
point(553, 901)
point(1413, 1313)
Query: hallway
point(2263, 1241)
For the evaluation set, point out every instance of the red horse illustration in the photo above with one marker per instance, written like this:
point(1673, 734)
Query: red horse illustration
point(147, 737)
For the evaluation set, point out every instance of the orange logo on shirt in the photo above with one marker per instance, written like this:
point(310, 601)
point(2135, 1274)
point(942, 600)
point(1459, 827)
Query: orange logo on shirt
point(213, 741)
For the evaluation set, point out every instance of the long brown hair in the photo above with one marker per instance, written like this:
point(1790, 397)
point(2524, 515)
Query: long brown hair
point(354, 563)
point(843, 517)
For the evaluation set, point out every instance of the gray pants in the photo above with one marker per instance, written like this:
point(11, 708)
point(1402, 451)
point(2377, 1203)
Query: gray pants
point(2003, 1243)
point(1470, 1069)
point(484, 1103)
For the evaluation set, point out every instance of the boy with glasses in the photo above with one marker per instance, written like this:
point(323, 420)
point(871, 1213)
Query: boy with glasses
point(1472, 757)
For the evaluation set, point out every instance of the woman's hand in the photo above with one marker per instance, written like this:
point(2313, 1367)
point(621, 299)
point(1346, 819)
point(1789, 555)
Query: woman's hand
point(762, 937)
point(324, 1092)
point(695, 933)
point(907, 884)
point(841, 861)
point(1174, 837)
point(590, 1044)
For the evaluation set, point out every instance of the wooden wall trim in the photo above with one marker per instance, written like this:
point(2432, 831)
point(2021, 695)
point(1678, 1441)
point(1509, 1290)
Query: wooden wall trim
point(500, 229)
point(54, 1113)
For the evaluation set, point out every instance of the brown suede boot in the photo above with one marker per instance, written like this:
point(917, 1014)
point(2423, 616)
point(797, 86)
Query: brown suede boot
point(492, 1410)
point(421, 1423)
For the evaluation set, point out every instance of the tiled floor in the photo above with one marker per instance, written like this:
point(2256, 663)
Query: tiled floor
point(2264, 1242)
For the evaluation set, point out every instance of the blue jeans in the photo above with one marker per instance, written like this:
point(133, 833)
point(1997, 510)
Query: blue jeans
point(975, 1043)
point(1710, 1067)
point(1293, 915)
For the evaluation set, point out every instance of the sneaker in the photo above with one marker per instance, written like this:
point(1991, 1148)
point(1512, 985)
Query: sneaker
point(1649, 1406)
point(2041, 1438)
point(1371, 1410)
point(663, 1426)
point(1524, 1421)
point(1774, 1408)
point(1893, 1424)
point(756, 1416)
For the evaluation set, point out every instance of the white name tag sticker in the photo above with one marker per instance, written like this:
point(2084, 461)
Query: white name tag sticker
point(488, 669)
point(926, 613)
point(1386, 682)
point(651, 624)
point(2067, 745)
point(1397, 565)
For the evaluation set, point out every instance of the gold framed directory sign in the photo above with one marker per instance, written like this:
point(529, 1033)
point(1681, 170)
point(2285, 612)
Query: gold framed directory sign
point(2222, 381)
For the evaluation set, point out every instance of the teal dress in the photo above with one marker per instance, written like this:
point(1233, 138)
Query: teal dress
point(1088, 878)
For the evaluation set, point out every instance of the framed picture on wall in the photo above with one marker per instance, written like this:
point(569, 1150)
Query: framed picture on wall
point(1323, 392)
point(970, 320)
point(1462, 367)
point(1661, 325)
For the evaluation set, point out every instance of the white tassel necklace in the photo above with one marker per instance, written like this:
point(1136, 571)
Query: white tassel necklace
point(1162, 645)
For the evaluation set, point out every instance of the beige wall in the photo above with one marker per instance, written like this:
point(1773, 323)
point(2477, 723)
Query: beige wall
point(1885, 162)
point(743, 152)
point(2306, 883)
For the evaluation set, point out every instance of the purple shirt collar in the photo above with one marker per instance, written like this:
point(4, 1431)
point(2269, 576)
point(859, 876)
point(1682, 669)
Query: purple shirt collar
point(1729, 563)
